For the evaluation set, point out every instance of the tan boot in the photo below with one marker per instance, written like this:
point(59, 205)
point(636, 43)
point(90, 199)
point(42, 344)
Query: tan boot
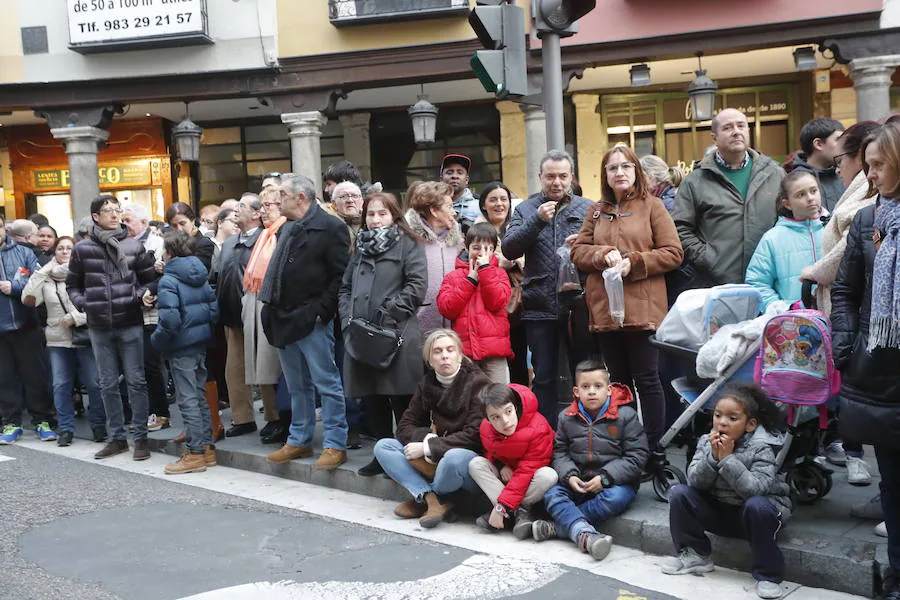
point(435, 512)
point(212, 400)
point(409, 509)
point(188, 463)
point(288, 452)
point(331, 459)
point(209, 452)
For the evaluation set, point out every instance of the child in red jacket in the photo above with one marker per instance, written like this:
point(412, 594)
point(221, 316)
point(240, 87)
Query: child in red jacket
point(474, 297)
point(514, 472)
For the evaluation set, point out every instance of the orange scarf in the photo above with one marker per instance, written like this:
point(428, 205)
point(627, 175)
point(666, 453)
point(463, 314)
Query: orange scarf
point(260, 257)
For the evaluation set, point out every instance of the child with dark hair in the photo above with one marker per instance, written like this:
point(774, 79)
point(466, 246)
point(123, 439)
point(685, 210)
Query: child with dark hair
point(514, 472)
point(599, 455)
point(733, 489)
point(474, 297)
point(793, 244)
point(187, 313)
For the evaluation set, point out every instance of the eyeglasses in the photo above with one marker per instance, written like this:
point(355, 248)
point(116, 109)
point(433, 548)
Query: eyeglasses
point(272, 176)
point(838, 158)
point(112, 210)
point(613, 169)
point(345, 197)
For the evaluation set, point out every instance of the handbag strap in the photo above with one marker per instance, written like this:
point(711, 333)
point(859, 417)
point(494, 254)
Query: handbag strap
point(58, 295)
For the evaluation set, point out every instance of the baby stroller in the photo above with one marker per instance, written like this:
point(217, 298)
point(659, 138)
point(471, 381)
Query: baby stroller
point(791, 361)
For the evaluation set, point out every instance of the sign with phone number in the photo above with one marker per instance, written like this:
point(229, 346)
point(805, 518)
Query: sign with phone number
point(117, 21)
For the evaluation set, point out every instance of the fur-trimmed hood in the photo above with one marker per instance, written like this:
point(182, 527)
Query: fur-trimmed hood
point(453, 239)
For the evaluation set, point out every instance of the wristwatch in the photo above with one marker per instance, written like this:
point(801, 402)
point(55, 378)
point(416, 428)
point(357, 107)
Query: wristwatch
point(605, 481)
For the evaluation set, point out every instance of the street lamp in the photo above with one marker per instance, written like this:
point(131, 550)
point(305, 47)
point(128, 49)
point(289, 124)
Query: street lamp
point(640, 75)
point(702, 92)
point(424, 119)
point(187, 139)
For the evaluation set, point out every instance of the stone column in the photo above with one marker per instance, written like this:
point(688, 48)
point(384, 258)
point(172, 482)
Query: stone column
point(305, 130)
point(512, 147)
point(357, 144)
point(872, 83)
point(591, 144)
point(535, 143)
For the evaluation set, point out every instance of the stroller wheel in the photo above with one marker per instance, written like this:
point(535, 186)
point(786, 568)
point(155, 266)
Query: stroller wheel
point(808, 482)
point(665, 479)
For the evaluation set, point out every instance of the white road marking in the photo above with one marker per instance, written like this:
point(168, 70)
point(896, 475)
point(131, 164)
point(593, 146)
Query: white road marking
point(478, 577)
point(4, 458)
point(627, 565)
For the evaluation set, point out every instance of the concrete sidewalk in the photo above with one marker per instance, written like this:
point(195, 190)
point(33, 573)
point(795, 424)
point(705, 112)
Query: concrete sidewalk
point(823, 546)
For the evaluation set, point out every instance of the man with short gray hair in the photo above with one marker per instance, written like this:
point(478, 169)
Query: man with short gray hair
point(538, 227)
point(300, 296)
point(23, 232)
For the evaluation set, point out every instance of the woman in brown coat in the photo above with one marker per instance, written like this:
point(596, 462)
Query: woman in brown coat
point(629, 226)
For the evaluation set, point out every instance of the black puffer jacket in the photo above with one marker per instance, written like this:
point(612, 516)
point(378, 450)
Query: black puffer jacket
point(870, 392)
point(97, 289)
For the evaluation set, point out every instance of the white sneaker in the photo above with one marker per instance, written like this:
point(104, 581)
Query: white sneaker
point(857, 471)
point(881, 530)
point(768, 589)
point(686, 562)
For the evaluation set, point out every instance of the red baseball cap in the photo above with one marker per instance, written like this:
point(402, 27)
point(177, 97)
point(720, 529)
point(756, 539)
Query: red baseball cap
point(456, 159)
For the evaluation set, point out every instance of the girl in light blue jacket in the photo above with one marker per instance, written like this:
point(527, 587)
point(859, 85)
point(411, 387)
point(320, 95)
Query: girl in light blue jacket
point(793, 244)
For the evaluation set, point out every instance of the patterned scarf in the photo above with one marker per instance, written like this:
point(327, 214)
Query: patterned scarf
point(373, 242)
point(884, 324)
point(260, 257)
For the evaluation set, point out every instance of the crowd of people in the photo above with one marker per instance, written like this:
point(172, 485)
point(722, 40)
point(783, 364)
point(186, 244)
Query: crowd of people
point(446, 328)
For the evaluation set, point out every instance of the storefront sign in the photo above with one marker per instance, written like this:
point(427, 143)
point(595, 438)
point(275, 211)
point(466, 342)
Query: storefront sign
point(129, 174)
point(98, 25)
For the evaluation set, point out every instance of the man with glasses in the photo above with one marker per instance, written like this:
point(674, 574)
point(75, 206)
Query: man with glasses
point(726, 204)
point(24, 365)
point(108, 278)
point(818, 154)
point(346, 204)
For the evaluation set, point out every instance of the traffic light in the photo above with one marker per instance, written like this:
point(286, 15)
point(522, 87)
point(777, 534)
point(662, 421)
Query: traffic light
point(560, 16)
point(500, 28)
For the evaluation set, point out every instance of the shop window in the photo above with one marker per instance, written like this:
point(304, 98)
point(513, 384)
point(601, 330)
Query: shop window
point(364, 12)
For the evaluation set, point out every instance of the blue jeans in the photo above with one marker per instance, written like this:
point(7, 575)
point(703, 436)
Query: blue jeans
point(189, 377)
point(64, 364)
point(308, 367)
point(575, 513)
point(452, 470)
point(125, 345)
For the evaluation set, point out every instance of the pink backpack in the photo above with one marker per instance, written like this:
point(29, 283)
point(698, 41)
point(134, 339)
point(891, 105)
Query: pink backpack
point(795, 363)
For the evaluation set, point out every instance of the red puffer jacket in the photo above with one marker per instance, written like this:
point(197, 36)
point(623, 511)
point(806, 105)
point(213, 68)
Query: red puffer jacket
point(478, 310)
point(525, 451)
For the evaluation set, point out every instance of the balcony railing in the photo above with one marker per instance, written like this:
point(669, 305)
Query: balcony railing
point(364, 12)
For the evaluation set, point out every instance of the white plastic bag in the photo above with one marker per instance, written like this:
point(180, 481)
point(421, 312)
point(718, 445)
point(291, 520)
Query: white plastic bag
point(612, 280)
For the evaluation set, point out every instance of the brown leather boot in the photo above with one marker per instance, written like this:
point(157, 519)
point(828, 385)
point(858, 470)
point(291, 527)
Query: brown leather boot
point(331, 459)
point(188, 463)
point(435, 511)
point(212, 399)
point(288, 452)
point(409, 509)
point(210, 453)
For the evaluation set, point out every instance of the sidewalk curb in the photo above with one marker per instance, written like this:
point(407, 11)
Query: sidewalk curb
point(837, 563)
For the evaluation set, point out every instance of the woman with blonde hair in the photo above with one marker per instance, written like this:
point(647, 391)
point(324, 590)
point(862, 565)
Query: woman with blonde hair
point(662, 179)
point(432, 219)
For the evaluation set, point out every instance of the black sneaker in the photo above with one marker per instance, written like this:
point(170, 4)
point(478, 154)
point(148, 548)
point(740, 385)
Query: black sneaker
point(64, 438)
point(543, 530)
point(372, 469)
point(241, 429)
point(112, 448)
point(141, 451)
point(99, 434)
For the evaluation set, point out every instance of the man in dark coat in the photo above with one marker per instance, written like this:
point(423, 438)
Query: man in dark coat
point(300, 296)
point(108, 277)
point(539, 226)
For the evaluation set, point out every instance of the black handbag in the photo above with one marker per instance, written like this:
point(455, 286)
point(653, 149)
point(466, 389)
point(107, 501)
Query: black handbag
point(371, 343)
point(80, 336)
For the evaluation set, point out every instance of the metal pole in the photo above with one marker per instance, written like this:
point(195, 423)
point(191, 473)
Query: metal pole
point(553, 90)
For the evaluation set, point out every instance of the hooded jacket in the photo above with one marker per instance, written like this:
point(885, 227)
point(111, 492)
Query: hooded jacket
point(720, 229)
point(17, 263)
point(48, 286)
point(477, 309)
point(448, 416)
point(614, 444)
point(187, 308)
point(783, 252)
point(528, 449)
point(831, 185)
point(748, 471)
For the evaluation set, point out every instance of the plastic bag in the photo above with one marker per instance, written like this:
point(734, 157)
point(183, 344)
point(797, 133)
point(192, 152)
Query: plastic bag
point(568, 282)
point(612, 280)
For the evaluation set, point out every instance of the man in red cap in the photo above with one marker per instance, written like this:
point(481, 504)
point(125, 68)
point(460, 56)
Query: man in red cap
point(455, 172)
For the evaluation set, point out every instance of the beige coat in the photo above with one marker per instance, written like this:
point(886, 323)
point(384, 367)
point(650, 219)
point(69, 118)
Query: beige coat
point(48, 286)
point(261, 363)
point(834, 239)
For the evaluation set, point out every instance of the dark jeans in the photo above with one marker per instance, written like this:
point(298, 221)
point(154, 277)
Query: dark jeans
point(154, 373)
point(25, 377)
point(692, 513)
point(575, 513)
point(889, 466)
point(383, 411)
point(548, 341)
point(114, 347)
point(518, 366)
point(633, 361)
point(65, 363)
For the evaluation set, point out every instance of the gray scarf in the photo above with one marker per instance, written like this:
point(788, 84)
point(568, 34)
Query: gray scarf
point(111, 240)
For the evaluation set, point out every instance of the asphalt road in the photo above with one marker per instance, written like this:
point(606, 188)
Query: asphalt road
point(75, 529)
